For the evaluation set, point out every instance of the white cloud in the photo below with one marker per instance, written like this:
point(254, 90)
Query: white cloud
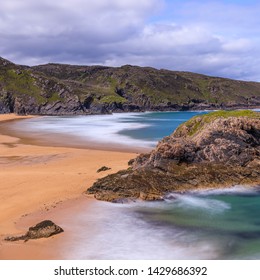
point(49, 18)
point(60, 30)
point(201, 36)
point(240, 45)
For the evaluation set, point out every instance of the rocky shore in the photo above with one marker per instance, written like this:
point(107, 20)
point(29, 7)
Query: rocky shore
point(219, 149)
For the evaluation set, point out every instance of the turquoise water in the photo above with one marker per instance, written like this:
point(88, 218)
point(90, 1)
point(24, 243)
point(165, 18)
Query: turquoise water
point(229, 219)
point(156, 124)
point(220, 224)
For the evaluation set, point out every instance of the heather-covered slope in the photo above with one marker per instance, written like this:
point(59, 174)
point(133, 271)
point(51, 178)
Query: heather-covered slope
point(219, 149)
point(58, 89)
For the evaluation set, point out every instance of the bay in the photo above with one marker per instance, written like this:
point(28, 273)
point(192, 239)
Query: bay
point(213, 224)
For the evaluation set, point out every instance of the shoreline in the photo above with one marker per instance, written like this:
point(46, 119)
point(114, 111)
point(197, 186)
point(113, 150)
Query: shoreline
point(39, 181)
point(57, 139)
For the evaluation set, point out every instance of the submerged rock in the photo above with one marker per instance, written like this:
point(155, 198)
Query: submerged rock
point(43, 229)
point(219, 149)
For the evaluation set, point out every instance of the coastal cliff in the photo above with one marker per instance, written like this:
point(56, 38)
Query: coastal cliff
point(219, 149)
point(60, 89)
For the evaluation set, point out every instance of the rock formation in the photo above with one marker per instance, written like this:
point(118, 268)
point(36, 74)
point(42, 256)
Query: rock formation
point(43, 229)
point(103, 168)
point(219, 149)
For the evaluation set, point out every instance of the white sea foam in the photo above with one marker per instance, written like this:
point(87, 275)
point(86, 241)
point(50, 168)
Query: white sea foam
point(194, 202)
point(236, 189)
point(103, 129)
point(117, 233)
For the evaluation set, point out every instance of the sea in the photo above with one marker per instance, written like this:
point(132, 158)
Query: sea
point(209, 224)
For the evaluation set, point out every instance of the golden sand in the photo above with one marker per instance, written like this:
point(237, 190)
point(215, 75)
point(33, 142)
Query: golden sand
point(43, 179)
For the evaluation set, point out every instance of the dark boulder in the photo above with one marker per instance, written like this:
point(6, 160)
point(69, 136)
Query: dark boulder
point(43, 229)
point(103, 168)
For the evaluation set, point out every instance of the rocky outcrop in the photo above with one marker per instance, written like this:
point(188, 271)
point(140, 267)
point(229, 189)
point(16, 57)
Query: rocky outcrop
point(57, 89)
point(103, 168)
point(43, 229)
point(219, 149)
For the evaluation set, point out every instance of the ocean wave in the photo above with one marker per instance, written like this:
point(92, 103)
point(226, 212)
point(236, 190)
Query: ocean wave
point(117, 233)
point(99, 129)
point(189, 201)
point(236, 189)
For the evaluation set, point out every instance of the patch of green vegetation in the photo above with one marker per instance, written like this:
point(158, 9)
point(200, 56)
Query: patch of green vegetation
point(113, 82)
point(237, 113)
point(203, 86)
point(55, 97)
point(21, 82)
point(112, 98)
point(196, 123)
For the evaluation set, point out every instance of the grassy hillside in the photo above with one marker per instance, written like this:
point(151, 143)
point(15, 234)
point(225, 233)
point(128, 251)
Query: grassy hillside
point(149, 87)
point(68, 89)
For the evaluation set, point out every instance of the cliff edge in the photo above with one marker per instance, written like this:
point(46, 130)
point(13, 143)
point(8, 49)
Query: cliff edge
point(219, 149)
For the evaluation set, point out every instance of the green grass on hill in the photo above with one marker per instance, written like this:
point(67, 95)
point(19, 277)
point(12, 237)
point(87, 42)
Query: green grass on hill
point(196, 123)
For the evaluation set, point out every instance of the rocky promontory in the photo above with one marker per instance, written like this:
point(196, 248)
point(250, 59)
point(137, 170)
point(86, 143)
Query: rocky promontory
point(219, 149)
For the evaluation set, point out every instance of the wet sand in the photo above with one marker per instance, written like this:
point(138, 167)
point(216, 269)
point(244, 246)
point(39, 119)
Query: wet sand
point(45, 182)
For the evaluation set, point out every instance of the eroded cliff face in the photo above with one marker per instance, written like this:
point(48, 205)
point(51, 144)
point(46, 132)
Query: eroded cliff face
point(25, 91)
point(219, 149)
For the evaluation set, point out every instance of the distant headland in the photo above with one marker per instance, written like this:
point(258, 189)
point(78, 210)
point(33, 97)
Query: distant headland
point(60, 89)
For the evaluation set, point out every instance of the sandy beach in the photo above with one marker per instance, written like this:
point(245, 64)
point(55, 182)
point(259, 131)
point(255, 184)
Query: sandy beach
point(45, 182)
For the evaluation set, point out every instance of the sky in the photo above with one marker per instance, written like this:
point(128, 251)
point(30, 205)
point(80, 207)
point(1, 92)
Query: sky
point(217, 38)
